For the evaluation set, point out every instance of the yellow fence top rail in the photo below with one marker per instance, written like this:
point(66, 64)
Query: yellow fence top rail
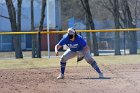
point(62, 32)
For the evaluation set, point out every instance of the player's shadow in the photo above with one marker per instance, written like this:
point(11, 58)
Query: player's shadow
point(96, 78)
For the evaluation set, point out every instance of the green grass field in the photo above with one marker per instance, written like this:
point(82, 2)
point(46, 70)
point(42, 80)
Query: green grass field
point(54, 62)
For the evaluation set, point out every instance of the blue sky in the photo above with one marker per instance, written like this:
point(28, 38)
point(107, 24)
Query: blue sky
point(26, 3)
point(25, 14)
point(2, 1)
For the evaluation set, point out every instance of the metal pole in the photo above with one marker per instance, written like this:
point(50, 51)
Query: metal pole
point(124, 44)
point(48, 35)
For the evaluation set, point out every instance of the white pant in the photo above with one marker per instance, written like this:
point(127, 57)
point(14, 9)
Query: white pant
point(68, 54)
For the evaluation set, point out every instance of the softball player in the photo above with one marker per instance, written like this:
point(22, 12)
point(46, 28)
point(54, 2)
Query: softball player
point(77, 47)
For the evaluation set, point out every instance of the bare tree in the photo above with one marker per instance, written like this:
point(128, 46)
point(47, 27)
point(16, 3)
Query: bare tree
point(128, 23)
point(41, 28)
point(16, 38)
point(86, 7)
point(122, 14)
point(113, 7)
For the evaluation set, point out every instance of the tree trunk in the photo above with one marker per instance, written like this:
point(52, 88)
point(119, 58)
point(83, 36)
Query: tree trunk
point(133, 36)
point(86, 7)
point(117, 34)
point(19, 25)
point(41, 28)
point(88, 34)
point(34, 50)
point(16, 38)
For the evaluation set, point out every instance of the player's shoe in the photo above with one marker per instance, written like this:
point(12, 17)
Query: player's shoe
point(101, 75)
point(61, 76)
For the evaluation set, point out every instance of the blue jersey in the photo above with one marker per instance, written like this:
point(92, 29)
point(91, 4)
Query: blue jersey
point(75, 45)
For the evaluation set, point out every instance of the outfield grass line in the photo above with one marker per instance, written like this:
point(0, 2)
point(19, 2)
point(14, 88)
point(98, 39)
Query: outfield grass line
point(54, 62)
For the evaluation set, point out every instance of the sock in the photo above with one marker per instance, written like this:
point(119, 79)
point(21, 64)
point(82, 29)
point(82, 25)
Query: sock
point(95, 66)
point(63, 65)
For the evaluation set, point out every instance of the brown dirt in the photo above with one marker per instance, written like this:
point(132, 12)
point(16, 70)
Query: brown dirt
point(119, 79)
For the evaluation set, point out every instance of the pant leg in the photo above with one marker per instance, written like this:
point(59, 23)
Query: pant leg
point(88, 57)
point(91, 61)
point(68, 54)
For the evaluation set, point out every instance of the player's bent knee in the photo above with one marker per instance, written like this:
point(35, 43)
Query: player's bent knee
point(89, 60)
point(63, 59)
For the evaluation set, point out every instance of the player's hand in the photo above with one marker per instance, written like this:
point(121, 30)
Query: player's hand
point(56, 53)
point(57, 47)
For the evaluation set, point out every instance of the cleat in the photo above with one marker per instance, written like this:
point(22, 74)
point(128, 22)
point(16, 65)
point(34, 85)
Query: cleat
point(101, 75)
point(61, 76)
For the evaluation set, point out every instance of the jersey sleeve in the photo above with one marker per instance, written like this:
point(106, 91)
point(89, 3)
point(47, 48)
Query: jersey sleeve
point(82, 42)
point(62, 42)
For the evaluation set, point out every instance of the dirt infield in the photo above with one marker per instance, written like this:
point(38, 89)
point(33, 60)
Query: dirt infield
point(119, 79)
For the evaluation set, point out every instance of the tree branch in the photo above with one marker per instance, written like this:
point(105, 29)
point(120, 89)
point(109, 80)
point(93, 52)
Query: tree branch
point(4, 17)
point(83, 5)
point(108, 8)
point(111, 3)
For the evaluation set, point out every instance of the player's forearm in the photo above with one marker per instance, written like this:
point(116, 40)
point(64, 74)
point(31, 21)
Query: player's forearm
point(57, 47)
